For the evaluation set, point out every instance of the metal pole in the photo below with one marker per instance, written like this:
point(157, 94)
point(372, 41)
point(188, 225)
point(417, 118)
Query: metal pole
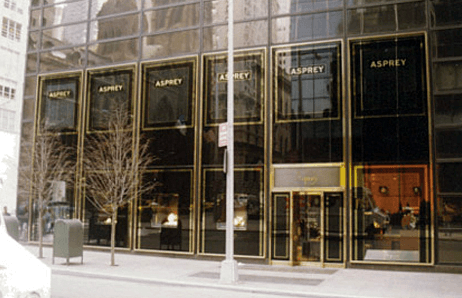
point(229, 272)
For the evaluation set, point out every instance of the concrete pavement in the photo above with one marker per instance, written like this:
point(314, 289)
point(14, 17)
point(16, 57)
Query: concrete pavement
point(263, 279)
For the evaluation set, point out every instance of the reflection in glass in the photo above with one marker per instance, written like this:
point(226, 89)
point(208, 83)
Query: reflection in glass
point(172, 18)
point(155, 3)
point(33, 41)
point(62, 59)
point(448, 142)
point(391, 214)
point(280, 232)
point(371, 19)
point(28, 109)
point(298, 6)
point(164, 214)
point(64, 36)
point(59, 100)
point(248, 88)
point(448, 75)
point(108, 92)
point(35, 16)
point(30, 85)
point(391, 73)
point(447, 43)
point(114, 27)
point(111, 52)
point(217, 11)
point(448, 109)
point(101, 8)
point(411, 15)
point(245, 35)
point(307, 92)
point(248, 215)
point(61, 206)
point(307, 223)
point(307, 27)
point(308, 82)
point(448, 177)
point(169, 94)
point(76, 11)
point(97, 226)
point(31, 63)
point(449, 216)
point(446, 12)
point(170, 44)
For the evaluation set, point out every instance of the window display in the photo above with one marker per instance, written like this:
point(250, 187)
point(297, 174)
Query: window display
point(248, 212)
point(164, 214)
point(391, 214)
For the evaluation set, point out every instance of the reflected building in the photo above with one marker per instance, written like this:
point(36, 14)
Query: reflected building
point(344, 155)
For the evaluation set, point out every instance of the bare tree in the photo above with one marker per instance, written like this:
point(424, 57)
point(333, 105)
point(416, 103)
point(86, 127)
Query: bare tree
point(49, 162)
point(112, 165)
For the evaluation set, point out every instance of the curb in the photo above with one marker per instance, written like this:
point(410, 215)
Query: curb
point(238, 287)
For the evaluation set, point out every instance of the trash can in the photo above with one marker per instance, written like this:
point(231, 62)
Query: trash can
point(68, 239)
point(12, 226)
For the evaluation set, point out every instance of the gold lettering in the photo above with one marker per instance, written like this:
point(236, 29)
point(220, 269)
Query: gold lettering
point(312, 69)
point(388, 63)
point(59, 94)
point(238, 76)
point(310, 180)
point(168, 82)
point(110, 88)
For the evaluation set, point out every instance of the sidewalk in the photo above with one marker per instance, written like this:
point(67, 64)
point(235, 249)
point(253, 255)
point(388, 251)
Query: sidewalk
point(264, 279)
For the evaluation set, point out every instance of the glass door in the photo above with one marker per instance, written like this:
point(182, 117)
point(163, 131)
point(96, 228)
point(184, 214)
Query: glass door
point(307, 227)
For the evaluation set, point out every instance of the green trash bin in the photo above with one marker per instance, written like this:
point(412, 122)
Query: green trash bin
point(68, 239)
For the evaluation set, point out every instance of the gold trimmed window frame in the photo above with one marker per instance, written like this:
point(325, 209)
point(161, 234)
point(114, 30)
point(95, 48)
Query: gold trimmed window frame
point(186, 62)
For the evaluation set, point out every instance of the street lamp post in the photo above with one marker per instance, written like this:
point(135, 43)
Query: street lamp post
point(229, 272)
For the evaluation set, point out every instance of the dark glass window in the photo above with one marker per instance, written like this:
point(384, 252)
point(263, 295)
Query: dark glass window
point(447, 12)
point(170, 95)
point(308, 83)
point(449, 216)
point(248, 88)
point(108, 91)
point(388, 77)
point(449, 177)
point(447, 43)
point(448, 109)
point(59, 103)
point(307, 91)
point(448, 142)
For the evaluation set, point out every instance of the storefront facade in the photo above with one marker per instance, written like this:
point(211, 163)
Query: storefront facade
point(346, 124)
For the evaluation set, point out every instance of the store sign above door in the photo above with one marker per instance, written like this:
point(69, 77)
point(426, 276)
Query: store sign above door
point(307, 177)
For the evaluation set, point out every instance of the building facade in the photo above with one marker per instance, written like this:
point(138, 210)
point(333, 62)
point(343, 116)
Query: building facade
point(346, 124)
point(14, 18)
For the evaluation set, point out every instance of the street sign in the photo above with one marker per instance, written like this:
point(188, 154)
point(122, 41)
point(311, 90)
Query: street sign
point(223, 135)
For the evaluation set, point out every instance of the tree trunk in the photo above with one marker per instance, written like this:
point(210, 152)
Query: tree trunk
point(40, 229)
point(113, 236)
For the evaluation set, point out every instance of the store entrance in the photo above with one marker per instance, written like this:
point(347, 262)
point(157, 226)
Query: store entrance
point(307, 227)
